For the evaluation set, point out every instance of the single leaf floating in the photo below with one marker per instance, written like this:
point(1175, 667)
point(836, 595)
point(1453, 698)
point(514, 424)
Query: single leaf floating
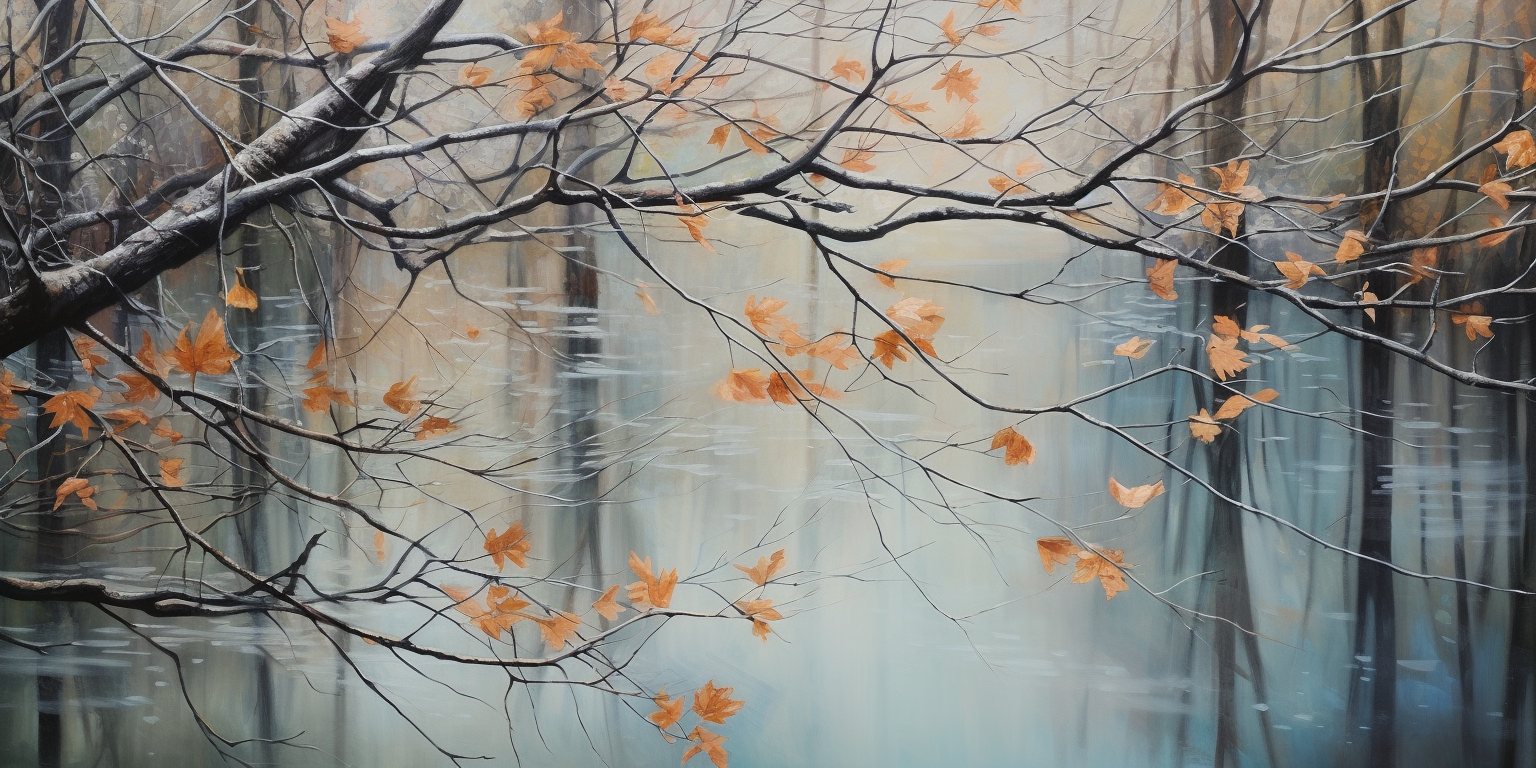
point(1019, 450)
point(81, 488)
point(1101, 564)
point(650, 591)
point(318, 399)
point(1366, 297)
point(72, 408)
point(170, 473)
point(241, 296)
point(1236, 404)
point(610, 610)
point(892, 266)
point(852, 71)
point(761, 630)
point(743, 385)
point(513, 545)
point(1298, 270)
point(644, 295)
point(988, 30)
point(1160, 279)
point(1226, 327)
point(1134, 498)
point(557, 628)
point(708, 743)
point(471, 332)
point(1530, 71)
point(957, 82)
point(401, 396)
point(163, 429)
point(1226, 359)
point(1202, 427)
point(344, 36)
point(1172, 200)
point(127, 417)
point(715, 705)
point(1520, 147)
point(1495, 238)
point(434, 426)
point(379, 549)
point(1054, 551)
point(1135, 349)
point(210, 354)
point(89, 360)
point(671, 710)
point(1474, 322)
point(1351, 246)
point(719, 136)
point(857, 160)
point(696, 225)
point(765, 569)
point(474, 75)
point(948, 28)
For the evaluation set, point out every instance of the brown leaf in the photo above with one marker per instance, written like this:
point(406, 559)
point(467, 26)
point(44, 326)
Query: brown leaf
point(1530, 72)
point(708, 743)
point(1226, 359)
point(1203, 427)
point(170, 473)
point(318, 399)
point(241, 296)
point(72, 408)
point(210, 354)
point(1173, 200)
point(671, 710)
point(1137, 497)
point(344, 36)
point(474, 75)
point(1520, 148)
point(1160, 279)
point(765, 569)
point(163, 429)
point(696, 225)
point(610, 610)
point(127, 417)
point(434, 426)
point(1101, 564)
point(1236, 404)
point(557, 628)
point(1351, 246)
point(89, 360)
point(947, 26)
point(401, 396)
point(715, 705)
point(82, 488)
point(1054, 551)
point(957, 82)
point(1495, 238)
point(651, 591)
point(513, 545)
point(743, 385)
point(1135, 349)
point(1297, 270)
point(920, 318)
point(893, 266)
point(857, 161)
point(1019, 450)
point(648, 26)
point(852, 71)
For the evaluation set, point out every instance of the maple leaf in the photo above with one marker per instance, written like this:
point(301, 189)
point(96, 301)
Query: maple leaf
point(139, 388)
point(1203, 427)
point(708, 743)
point(829, 348)
point(89, 360)
point(765, 569)
point(557, 47)
point(1160, 279)
point(1226, 359)
point(918, 317)
point(1101, 564)
point(1351, 246)
point(1236, 404)
point(163, 429)
point(512, 545)
point(888, 348)
point(765, 318)
point(892, 266)
point(696, 225)
point(82, 488)
point(504, 610)
point(648, 26)
point(743, 385)
point(1019, 450)
point(1474, 322)
point(318, 399)
point(210, 354)
point(969, 125)
point(1135, 349)
point(790, 388)
point(715, 705)
point(8, 407)
point(948, 28)
point(1226, 327)
point(1134, 498)
point(241, 296)
point(1494, 238)
point(474, 75)
point(1519, 148)
point(957, 82)
point(903, 105)
point(434, 426)
point(1297, 270)
point(610, 610)
point(72, 407)
point(1172, 200)
point(344, 36)
point(127, 417)
point(1054, 551)
point(857, 160)
point(848, 70)
point(759, 608)
point(170, 473)
point(650, 591)
point(557, 628)
point(671, 710)
point(401, 396)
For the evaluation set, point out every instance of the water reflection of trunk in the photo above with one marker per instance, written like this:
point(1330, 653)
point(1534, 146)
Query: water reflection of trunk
point(1376, 612)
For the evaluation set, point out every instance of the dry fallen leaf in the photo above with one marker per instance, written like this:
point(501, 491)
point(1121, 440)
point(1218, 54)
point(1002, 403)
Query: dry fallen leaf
point(89, 360)
point(344, 36)
point(1135, 349)
point(434, 426)
point(401, 396)
point(72, 407)
point(170, 473)
point(1019, 450)
point(671, 710)
point(1173, 200)
point(957, 82)
point(1101, 564)
point(81, 488)
point(1160, 279)
point(893, 266)
point(1520, 148)
point(210, 354)
point(1351, 246)
point(1134, 498)
point(1226, 359)
point(715, 705)
point(696, 225)
point(743, 385)
point(1203, 427)
point(851, 71)
point(474, 75)
point(241, 296)
point(513, 545)
point(1054, 551)
point(708, 743)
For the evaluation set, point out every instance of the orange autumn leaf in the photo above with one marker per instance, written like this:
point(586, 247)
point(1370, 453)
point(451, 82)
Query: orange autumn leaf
point(644, 295)
point(241, 296)
point(765, 318)
point(8, 407)
point(696, 225)
point(471, 332)
point(762, 608)
point(513, 545)
point(1298, 270)
point(1172, 200)
point(557, 47)
point(1054, 551)
point(670, 710)
point(72, 408)
point(648, 26)
point(379, 549)
point(163, 429)
point(127, 417)
point(765, 569)
point(610, 610)
point(830, 348)
point(1012, 5)
point(1137, 497)
point(888, 348)
point(1160, 279)
point(969, 125)
point(1474, 322)
point(1236, 404)
point(719, 136)
point(434, 426)
point(344, 36)
point(754, 140)
point(1203, 427)
point(957, 82)
point(503, 612)
point(317, 356)
point(920, 318)
point(557, 628)
point(1135, 349)
point(708, 743)
point(988, 30)
point(857, 160)
point(1226, 359)
point(743, 385)
point(715, 705)
point(89, 360)
point(892, 266)
point(1495, 238)
point(474, 75)
point(210, 354)
point(651, 591)
point(848, 70)
point(534, 100)
point(139, 388)
point(790, 388)
point(615, 89)
point(1101, 564)
point(1529, 64)
point(1520, 148)
point(947, 26)
point(1351, 246)
point(902, 106)
point(1495, 190)
point(401, 396)
point(1019, 450)
point(318, 399)
point(80, 487)
point(170, 473)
